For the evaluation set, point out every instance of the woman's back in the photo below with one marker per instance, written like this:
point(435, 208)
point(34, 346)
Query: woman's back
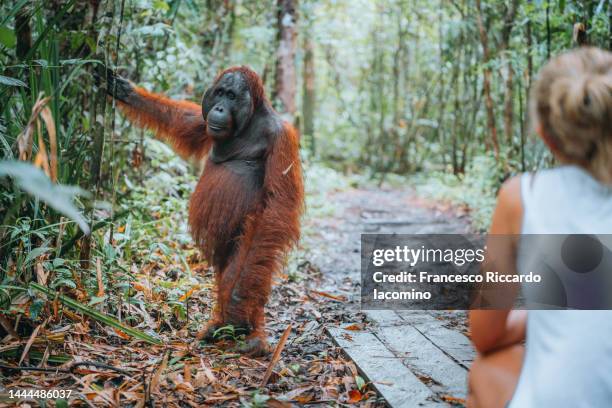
point(568, 356)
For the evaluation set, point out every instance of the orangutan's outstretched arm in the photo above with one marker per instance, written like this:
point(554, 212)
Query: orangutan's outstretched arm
point(178, 122)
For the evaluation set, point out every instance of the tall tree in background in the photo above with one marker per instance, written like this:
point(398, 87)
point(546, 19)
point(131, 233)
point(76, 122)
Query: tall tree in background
point(285, 79)
point(23, 32)
point(308, 93)
point(509, 17)
point(484, 40)
point(218, 29)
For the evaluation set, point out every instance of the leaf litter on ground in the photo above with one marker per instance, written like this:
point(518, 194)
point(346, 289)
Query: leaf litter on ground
point(146, 356)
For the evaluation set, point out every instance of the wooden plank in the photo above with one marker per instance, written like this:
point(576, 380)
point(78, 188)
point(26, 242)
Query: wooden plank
point(408, 221)
point(426, 359)
point(384, 317)
point(453, 343)
point(393, 380)
point(442, 228)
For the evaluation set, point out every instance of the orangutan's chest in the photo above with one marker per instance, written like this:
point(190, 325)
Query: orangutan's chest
point(228, 191)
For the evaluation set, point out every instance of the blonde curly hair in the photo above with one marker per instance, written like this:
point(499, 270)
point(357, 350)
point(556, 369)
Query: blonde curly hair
point(571, 102)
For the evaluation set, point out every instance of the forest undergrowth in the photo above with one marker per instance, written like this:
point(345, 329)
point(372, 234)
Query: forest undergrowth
point(149, 278)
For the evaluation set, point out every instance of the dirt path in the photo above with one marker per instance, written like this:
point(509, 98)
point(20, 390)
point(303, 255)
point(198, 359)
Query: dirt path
point(372, 211)
point(337, 238)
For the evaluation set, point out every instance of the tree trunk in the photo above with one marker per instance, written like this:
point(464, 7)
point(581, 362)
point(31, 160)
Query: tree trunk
point(441, 87)
point(508, 97)
point(285, 81)
point(487, 82)
point(23, 33)
point(548, 34)
point(522, 116)
point(529, 56)
point(610, 24)
point(509, 103)
point(308, 103)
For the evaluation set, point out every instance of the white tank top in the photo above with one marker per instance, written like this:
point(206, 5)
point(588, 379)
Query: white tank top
point(568, 354)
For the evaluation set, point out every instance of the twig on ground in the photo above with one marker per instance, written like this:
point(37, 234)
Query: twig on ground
point(26, 349)
point(277, 352)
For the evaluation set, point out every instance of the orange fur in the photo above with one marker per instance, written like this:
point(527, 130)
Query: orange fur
point(244, 225)
point(269, 232)
point(247, 232)
point(179, 122)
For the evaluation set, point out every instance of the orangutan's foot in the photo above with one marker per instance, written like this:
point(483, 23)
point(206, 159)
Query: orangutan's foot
point(207, 334)
point(216, 331)
point(255, 345)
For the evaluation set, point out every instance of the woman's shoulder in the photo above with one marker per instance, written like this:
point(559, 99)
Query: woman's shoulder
point(546, 183)
point(508, 214)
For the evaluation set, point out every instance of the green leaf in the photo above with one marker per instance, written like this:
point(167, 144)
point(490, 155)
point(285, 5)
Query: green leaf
point(7, 37)
point(5, 298)
point(13, 11)
point(360, 382)
point(161, 5)
point(58, 262)
point(96, 299)
point(35, 355)
point(35, 308)
point(63, 283)
point(35, 182)
point(35, 253)
point(5, 80)
point(561, 6)
point(94, 314)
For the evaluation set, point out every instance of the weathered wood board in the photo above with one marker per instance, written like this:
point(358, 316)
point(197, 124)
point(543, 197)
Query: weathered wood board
point(411, 358)
point(451, 342)
point(426, 359)
point(392, 379)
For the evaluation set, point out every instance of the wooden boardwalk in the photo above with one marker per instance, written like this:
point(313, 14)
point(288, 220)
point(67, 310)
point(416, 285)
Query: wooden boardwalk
point(411, 358)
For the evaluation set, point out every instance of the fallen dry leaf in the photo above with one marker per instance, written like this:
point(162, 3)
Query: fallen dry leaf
point(453, 400)
point(337, 298)
point(186, 295)
point(274, 403)
point(354, 397)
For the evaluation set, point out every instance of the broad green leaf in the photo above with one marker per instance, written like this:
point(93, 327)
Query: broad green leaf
point(161, 5)
point(58, 262)
point(96, 299)
point(360, 382)
point(5, 80)
point(7, 37)
point(5, 299)
point(35, 182)
point(35, 253)
point(94, 314)
point(35, 355)
point(561, 6)
point(57, 283)
point(35, 308)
